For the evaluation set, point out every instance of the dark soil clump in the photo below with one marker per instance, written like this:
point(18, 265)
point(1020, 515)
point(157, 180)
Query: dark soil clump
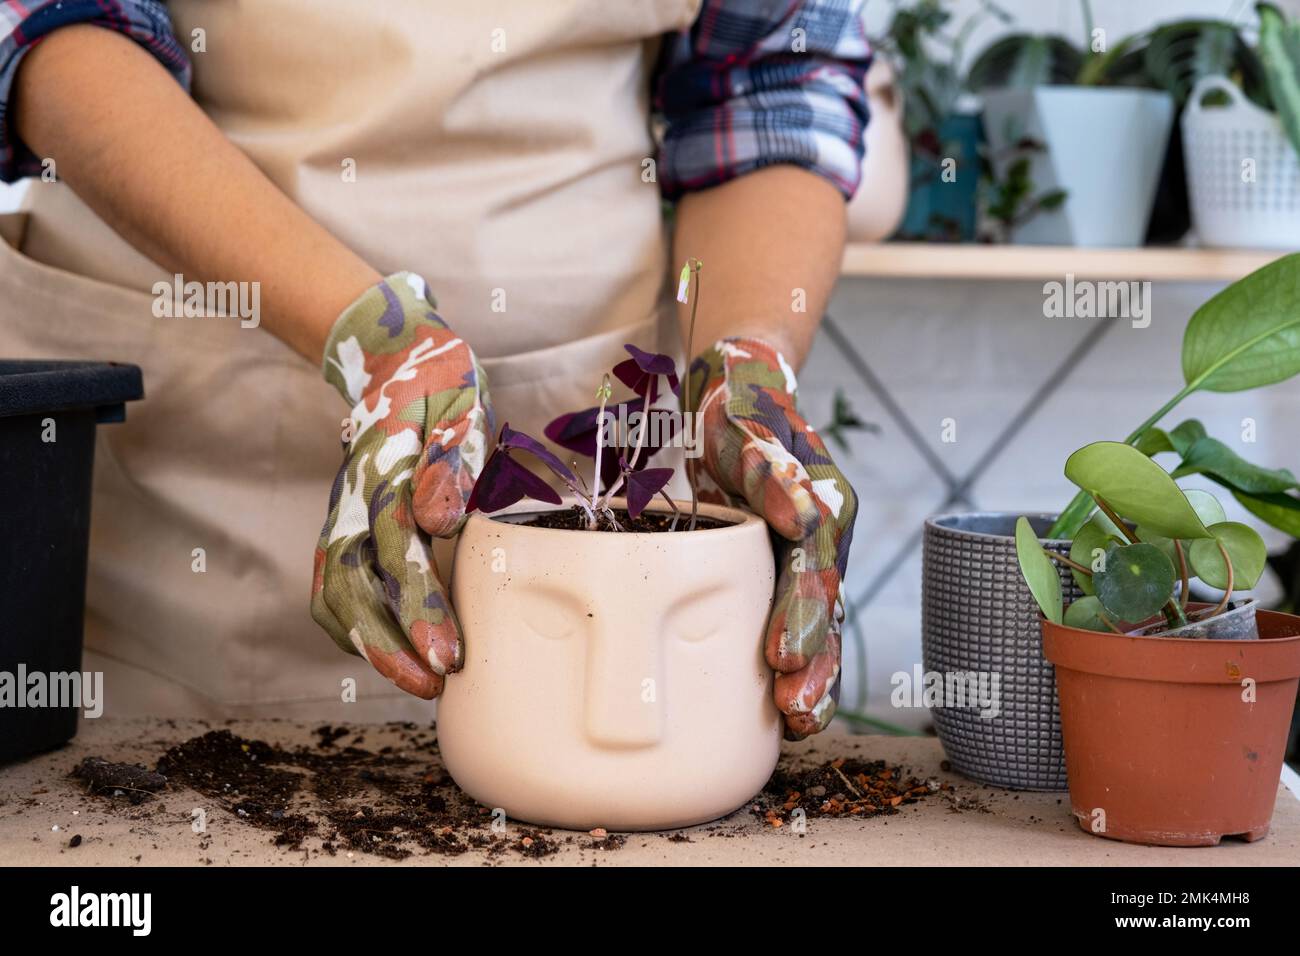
point(840, 788)
point(342, 798)
point(119, 779)
point(575, 519)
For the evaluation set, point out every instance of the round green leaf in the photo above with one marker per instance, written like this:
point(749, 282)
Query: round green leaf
point(1094, 536)
point(1135, 487)
point(1137, 581)
point(1086, 613)
point(1207, 508)
point(1039, 570)
point(1166, 545)
point(1245, 548)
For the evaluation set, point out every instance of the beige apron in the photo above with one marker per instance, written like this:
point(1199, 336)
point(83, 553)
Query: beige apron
point(498, 150)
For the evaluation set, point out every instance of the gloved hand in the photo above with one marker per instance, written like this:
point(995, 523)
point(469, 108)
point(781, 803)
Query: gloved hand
point(420, 425)
point(759, 449)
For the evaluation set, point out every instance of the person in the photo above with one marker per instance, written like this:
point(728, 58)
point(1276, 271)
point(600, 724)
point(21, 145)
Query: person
point(500, 153)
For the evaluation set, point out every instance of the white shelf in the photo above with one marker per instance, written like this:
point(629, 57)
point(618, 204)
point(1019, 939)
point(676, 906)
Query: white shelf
point(938, 260)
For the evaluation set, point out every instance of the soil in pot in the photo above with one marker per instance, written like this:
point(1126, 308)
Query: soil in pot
point(1234, 624)
point(575, 519)
point(1175, 742)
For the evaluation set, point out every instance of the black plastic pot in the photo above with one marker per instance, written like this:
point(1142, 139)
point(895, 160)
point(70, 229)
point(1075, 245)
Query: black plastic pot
point(48, 415)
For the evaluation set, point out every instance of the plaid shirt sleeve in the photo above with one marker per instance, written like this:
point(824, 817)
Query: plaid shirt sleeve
point(24, 23)
point(754, 84)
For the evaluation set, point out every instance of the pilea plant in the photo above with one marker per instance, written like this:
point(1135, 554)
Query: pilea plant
point(620, 455)
point(1134, 555)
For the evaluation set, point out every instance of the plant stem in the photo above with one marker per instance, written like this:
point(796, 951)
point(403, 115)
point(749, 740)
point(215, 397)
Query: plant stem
point(677, 512)
point(600, 445)
point(1173, 612)
point(1182, 573)
point(1110, 624)
point(1076, 512)
point(696, 266)
point(1119, 522)
point(636, 454)
point(884, 725)
point(1062, 559)
point(1227, 594)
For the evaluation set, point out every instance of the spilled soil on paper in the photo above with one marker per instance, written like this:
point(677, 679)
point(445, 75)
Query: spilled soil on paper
point(335, 795)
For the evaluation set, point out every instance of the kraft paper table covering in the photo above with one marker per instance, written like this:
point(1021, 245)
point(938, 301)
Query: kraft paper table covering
point(1018, 828)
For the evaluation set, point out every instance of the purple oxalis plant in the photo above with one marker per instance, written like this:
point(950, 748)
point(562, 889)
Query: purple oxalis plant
point(616, 467)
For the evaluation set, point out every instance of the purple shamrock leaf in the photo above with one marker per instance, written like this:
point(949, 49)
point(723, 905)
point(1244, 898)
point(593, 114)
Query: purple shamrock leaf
point(512, 439)
point(641, 372)
point(576, 431)
point(504, 481)
point(642, 486)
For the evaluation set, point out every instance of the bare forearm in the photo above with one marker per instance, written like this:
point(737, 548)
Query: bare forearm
point(771, 244)
point(140, 153)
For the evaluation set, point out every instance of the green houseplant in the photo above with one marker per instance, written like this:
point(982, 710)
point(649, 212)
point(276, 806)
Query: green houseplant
point(926, 52)
point(975, 604)
point(1246, 336)
point(1082, 125)
point(1241, 132)
point(1174, 715)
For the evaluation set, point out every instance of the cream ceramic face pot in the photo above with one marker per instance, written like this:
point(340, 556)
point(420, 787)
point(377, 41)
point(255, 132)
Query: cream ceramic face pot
point(611, 679)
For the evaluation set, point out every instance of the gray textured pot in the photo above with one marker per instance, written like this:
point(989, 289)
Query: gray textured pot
point(977, 615)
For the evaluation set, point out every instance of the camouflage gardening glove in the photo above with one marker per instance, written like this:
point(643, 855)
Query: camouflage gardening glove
point(759, 449)
point(419, 428)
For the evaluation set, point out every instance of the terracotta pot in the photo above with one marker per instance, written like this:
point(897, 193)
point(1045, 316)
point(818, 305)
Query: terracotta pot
point(612, 679)
point(1163, 744)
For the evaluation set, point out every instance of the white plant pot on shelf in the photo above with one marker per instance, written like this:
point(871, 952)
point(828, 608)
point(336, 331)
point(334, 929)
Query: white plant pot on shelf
point(1104, 147)
point(1243, 175)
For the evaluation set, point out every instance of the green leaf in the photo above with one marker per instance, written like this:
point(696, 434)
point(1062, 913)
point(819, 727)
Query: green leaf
point(1245, 549)
point(1279, 51)
point(1137, 581)
point(1186, 434)
point(1209, 456)
point(1135, 487)
point(1039, 571)
point(1086, 613)
point(1207, 508)
point(1279, 511)
point(1248, 334)
point(1153, 442)
point(1021, 61)
point(1093, 536)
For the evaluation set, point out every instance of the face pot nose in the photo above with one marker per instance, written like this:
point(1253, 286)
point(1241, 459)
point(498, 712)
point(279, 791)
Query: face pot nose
point(624, 689)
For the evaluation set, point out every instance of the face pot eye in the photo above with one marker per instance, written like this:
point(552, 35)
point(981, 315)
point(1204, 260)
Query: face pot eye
point(699, 615)
point(551, 613)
